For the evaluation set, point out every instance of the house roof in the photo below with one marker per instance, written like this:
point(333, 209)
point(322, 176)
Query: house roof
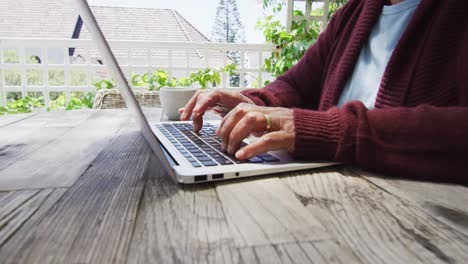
point(119, 23)
point(149, 24)
point(37, 18)
point(57, 19)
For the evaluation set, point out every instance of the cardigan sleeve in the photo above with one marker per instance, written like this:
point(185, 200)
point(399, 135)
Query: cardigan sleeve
point(423, 142)
point(301, 85)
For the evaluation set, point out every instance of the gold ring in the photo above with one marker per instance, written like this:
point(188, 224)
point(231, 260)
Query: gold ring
point(268, 122)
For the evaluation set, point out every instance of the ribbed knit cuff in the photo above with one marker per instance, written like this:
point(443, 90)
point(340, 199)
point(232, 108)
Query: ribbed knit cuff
point(250, 93)
point(261, 97)
point(316, 134)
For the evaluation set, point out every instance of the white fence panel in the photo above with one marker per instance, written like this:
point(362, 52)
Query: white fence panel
point(69, 65)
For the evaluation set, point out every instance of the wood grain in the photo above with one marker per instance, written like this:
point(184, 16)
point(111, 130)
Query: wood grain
point(264, 211)
point(378, 226)
point(186, 224)
point(17, 208)
point(124, 208)
point(10, 119)
point(28, 135)
point(180, 224)
point(325, 251)
point(94, 219)
point(446, 202)
point(59, 162)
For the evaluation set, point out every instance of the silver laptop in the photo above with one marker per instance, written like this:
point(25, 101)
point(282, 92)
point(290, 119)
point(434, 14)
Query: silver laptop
point(189, 157)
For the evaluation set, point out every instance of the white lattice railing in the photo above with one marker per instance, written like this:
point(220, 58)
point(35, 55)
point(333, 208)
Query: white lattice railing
point(322, 18)
point(65, 65)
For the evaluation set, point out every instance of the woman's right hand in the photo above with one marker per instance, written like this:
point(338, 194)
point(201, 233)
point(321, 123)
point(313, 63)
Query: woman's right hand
point(221, 102)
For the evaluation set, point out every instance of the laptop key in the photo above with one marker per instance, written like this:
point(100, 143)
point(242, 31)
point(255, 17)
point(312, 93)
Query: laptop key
point(256, 160)
point(204, 158)
point(195, 164)
point(269, 158)
point(209, 163)
point(223, 161)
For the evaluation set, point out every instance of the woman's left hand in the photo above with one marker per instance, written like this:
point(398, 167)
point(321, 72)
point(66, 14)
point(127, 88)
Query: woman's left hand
point(246, 119)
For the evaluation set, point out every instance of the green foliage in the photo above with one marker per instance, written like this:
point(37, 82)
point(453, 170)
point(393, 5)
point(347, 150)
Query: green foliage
point(104, 84)
point(228, 27)
point(34, 77)
point(79, 102)
point(10, 56)
point(153, 80)
point(229, 68)
point(12, 77)
point(23, 105)
point(56, 77)
point(293, 44)
point(206, 77)
point(76, 102)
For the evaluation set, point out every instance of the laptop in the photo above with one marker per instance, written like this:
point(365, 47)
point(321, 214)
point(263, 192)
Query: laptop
point(187, 156)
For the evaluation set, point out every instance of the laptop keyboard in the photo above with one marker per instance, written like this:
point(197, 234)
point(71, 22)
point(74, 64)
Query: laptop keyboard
point(204, 148)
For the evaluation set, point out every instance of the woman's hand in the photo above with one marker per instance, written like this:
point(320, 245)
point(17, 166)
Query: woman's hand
point(221, 102)
point(245, 119)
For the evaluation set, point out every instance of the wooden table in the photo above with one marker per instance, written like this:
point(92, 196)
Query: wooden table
point(83, 186)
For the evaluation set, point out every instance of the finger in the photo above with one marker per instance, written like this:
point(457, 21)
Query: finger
point(226, 117)
point(188, 108)
point(180, 110)
point(228, 123)
point(271, 141)
point(204, 101)
point(242, 106)
point(251, 122)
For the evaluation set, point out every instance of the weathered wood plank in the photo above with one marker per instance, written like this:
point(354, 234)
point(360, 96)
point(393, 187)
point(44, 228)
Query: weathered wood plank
point(325, 251)
point(446, 202)
point(62, 160)
point(27, 136)
point(16, 208)
point(378, 226)
point(94, 219)
point(186, 224)
point(10, 119)
point(55, 119)
point(265, 211)
point(180, 224)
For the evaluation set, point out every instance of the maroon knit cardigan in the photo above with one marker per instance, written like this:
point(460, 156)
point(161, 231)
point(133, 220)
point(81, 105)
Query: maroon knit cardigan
point(419, 126)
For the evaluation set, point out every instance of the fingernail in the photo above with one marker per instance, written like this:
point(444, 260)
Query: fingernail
point(240, 154)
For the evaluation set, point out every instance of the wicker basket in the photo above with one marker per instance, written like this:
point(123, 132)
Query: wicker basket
point(111, 99)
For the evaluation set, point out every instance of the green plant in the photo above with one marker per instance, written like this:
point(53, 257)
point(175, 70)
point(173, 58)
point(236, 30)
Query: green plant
point(206, 77)
point(76, 102)
point(159, 78)
point(153, 80)
point(23, 105)
point(293, 44)
point(104, 84)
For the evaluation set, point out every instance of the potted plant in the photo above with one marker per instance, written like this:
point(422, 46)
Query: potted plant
point(158, 83)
